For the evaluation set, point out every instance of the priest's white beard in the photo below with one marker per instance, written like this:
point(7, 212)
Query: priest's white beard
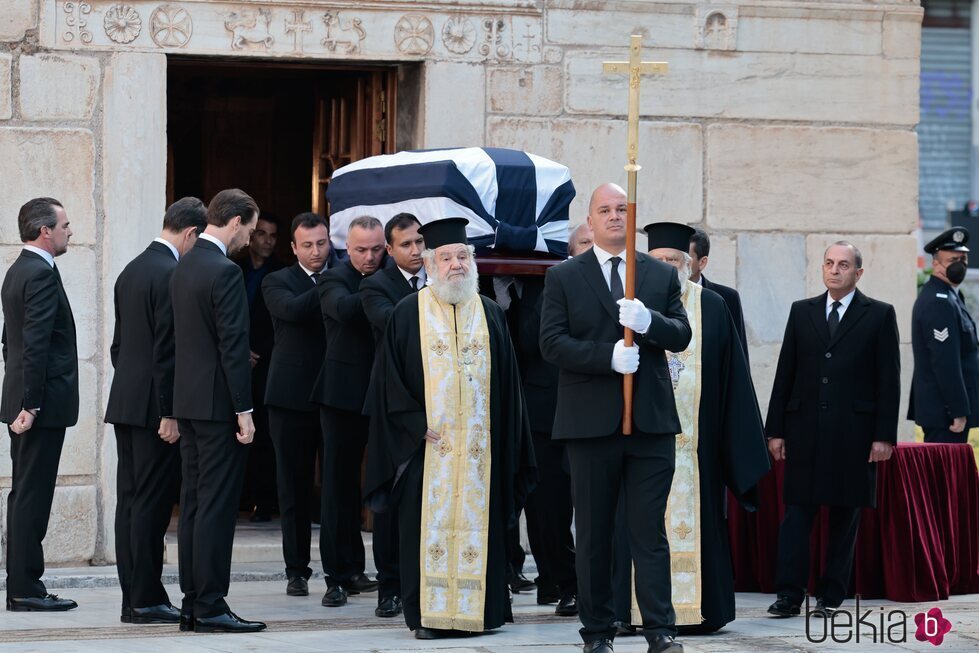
point(456, 291)
point(683, 271)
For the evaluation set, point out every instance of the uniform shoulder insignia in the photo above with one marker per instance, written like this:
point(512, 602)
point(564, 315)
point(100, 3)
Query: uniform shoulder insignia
point(941, 294)
point(941, 336)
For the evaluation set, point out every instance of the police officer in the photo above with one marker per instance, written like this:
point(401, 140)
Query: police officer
point(945, 388)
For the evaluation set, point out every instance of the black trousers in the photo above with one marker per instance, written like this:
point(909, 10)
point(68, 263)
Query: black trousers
point(341, 545)
point(515, 554)
point(259, 491)
point(146, 476)
point(641, 466)
point(34, 456)
point(386, 554)
point(942, 434)
point(792, 572)
point(296, 436)
point(213, 464)
point(549, 515)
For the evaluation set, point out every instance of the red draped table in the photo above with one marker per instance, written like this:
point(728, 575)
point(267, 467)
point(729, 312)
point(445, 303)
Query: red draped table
point(920, 544)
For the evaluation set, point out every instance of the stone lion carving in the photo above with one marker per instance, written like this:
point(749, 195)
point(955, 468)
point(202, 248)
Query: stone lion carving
point(250, 26)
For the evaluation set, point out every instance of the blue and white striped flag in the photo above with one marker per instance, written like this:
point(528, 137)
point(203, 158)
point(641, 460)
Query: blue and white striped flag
point(513, 200)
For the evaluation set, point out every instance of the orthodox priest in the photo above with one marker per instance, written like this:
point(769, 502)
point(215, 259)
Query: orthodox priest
point(722, 446)
point(450, 445)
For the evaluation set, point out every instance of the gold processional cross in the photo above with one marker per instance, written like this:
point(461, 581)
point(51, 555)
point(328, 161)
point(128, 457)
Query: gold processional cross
point(635, 68)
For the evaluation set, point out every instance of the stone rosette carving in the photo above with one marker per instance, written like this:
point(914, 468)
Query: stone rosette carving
point(414, 34)
point(459, 34)
point(171, 26)
point(250, 27)
point(122, 23)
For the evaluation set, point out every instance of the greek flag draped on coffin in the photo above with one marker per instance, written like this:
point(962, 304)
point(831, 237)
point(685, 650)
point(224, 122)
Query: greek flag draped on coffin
point(513, 200)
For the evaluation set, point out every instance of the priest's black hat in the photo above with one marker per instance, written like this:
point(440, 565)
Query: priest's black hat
point(669, 234)
point(447, 231)
point(952, 240)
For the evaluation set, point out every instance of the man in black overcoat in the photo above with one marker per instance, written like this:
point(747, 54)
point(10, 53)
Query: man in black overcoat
point(832, 417)
point(381, 293)
point(212, 401)
point(40, 395)
point(140, 409)
point(582, 320)
point(340, 390)
point(293, 302)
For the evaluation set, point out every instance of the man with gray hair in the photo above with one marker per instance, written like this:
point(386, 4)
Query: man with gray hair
point(40, 395)
point(580, 240)
point(450, 445)
point(340, 389)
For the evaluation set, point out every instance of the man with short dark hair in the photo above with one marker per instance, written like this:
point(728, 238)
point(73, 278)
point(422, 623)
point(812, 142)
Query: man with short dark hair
point(141, 410)
point(40, 395)
point(258, 261)
point(294, 422)
point(213, 405)
point(381, 292)
point(340, 389)
point(700, 252)
point(832, 417)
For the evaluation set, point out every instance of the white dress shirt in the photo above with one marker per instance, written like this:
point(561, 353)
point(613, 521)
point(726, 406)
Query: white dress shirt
point(845, 302)
point(224, 250)
point(408, 275)
point(173, 250)
point(43, 253)
point(604, 260)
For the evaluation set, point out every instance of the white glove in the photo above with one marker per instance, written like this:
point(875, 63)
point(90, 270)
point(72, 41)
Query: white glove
point(625, 360)
point(634, 315)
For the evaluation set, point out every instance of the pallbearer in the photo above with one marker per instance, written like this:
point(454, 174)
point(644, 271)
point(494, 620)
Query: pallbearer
point(450, 444)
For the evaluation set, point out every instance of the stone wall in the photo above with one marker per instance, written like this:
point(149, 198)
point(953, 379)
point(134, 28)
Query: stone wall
point(781, 127)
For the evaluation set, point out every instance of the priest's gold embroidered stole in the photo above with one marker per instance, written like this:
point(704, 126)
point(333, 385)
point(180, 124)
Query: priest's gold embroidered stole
point(456, 488)
point(683, 527)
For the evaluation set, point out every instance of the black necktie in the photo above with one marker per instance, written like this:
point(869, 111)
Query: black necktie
point(834, 318)
point(315, 277)
point(414, 284)
point(615, 282)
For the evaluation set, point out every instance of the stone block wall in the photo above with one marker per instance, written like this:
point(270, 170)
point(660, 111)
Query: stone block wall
point(780, 127)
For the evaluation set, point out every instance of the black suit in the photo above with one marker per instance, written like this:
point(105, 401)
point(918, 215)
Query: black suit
point(579, 328)
point(40, 371)
point(340, 390)
point(212, 382)
point(260, 477)
point(142, 354)
point(833, 397)
point(380, 293)
point(549, 506)
point(733, 301)
point(294, 423)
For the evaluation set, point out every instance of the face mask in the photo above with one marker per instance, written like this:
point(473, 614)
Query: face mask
point(956, 272)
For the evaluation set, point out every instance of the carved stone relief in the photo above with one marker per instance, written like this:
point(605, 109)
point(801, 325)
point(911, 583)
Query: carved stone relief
point(717, 28)
point(297, 28)
point(250, 27)
point(459, 34)
point(122, 23)
point(414, 34)
point(497, 41)
point(76, 20)
point(171, 26)
point(336, 30)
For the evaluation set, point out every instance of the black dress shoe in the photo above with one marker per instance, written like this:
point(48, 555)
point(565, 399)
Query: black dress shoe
point(548, 596)
point(664, 644)
point(784, 607)
point(520, 583)
point(432, 633)
point(598, 646)
point(228, 622)
point(360, 583)
point(186, 622)
point(567, 606)
point(261, 515)
point(622, 629)
point(46, 603)
point(335, 597)
point(156, 614)
point(126, 616)
point(389, 607)
point(297, 586)
point(824, 610)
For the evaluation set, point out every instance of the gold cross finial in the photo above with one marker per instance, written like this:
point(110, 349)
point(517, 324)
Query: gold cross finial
point(635, 68)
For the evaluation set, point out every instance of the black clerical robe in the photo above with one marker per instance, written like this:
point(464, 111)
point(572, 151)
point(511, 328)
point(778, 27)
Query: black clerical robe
point(732, 454)
point(396, 446)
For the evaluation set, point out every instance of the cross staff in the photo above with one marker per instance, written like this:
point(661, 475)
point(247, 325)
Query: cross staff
point(635, 68)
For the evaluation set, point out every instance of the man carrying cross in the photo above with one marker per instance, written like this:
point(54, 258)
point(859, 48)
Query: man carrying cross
point(582, 320)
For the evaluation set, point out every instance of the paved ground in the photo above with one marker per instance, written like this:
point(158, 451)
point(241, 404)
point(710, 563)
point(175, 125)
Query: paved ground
point(298, 625)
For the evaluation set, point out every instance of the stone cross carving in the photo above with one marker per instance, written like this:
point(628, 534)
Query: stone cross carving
point(297, 28)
